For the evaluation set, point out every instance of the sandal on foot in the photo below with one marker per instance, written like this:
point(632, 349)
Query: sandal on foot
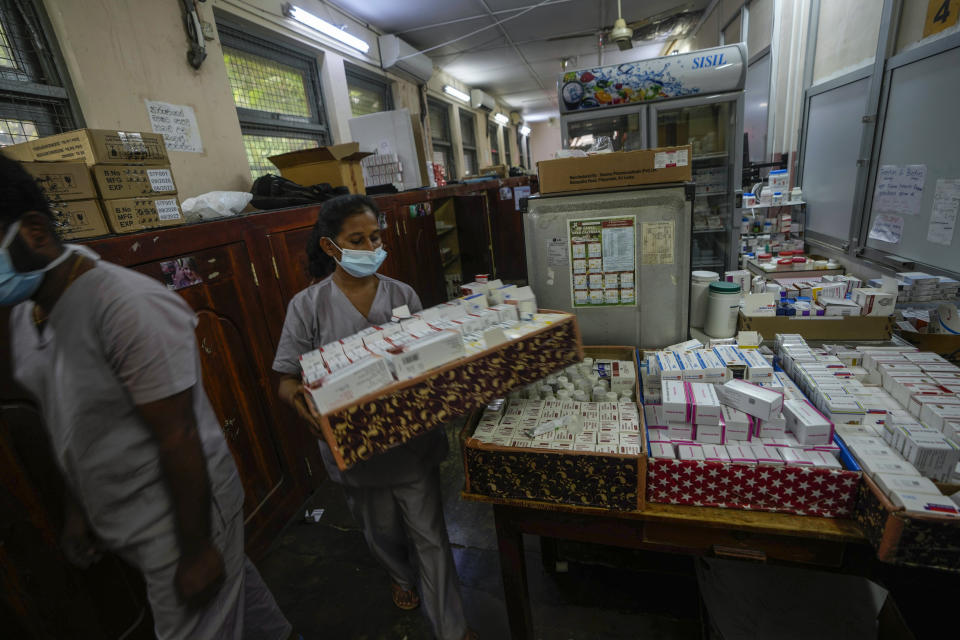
point(405, 599)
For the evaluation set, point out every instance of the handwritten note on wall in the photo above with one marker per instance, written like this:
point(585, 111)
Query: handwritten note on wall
point(899, 189)
point(177, 123)
point(887, 228)
point(943, 218)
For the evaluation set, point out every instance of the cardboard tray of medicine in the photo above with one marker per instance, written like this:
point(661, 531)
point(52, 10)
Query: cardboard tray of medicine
point(944, 344)
point(804, 491)
point(404, 410)
point(547, 479)
point(821, 327)
point(917, 540)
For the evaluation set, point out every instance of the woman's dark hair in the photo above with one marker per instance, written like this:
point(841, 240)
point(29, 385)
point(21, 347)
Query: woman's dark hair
point(19, 192)
point(328, 225)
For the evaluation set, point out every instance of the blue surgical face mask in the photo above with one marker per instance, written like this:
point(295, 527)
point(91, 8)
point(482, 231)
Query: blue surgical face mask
point(15, 287)
point(360, 264)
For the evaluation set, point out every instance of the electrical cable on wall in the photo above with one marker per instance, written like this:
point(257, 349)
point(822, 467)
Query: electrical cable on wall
point(191, 21)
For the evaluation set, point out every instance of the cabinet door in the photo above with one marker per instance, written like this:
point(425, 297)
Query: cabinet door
point(506, 224)
point(420, 254)
point(473, 233)
point(236, 351)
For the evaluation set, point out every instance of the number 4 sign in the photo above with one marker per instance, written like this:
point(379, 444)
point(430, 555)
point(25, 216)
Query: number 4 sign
point(940, 15)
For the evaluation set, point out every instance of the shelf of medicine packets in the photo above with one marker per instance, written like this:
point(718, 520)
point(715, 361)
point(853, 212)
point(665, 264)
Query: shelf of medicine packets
point(769, 233)
point(710, 156)
point(709, 230)
point(774, 206)
point(697, 264)
point(451, 260)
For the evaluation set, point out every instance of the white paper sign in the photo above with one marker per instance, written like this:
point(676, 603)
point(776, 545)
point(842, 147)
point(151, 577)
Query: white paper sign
point(943, 218)
point(518, 194)
point(177, 123)
point(899, 189)
point(887, 228)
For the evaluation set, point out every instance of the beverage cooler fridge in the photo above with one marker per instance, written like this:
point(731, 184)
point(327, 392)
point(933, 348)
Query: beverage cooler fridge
point(693, 98)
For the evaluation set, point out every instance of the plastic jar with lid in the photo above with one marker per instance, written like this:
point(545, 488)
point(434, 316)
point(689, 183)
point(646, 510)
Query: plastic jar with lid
point(599, 393)
point(723, 307)
point(699, 283)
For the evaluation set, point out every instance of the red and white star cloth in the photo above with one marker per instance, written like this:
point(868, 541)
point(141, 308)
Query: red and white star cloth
point(811, 491)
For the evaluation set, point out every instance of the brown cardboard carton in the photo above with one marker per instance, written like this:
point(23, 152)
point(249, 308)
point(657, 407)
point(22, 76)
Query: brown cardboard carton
point(101, 146)
point(133, 181)
point(500, 170)
point(79, 219)
point(615, 170)
point(338, 165)
point(22, 151)
point(62, 181)
point(136, 214)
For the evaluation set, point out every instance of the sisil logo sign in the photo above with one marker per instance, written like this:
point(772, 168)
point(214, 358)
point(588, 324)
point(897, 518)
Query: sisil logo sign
point(708, 61)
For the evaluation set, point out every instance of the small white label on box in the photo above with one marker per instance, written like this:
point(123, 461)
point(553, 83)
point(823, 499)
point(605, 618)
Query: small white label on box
point(167, 209)
point(161, 180)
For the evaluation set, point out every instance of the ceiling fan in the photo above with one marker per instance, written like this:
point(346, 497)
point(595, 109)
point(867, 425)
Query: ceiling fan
point(674, 23)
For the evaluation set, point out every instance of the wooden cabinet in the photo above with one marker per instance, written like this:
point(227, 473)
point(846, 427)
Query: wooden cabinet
point(235, 351)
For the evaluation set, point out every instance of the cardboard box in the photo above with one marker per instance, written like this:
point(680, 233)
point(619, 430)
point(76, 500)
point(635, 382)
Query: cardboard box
point(133, 181)
point(97, 146)
point(615, 170)
point(136, 214)
point(822, 327)
point(338, 165)
point(62, 181)
point(79, 219)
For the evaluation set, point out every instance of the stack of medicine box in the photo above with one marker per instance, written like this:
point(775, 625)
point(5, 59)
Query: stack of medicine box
point(381, 168)
point(756, 425)
point(131, 171)
point(905, 435)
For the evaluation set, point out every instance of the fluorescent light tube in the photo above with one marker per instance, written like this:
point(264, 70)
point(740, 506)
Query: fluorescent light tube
point(456, 93)
point(324, 27)
point(502, 119)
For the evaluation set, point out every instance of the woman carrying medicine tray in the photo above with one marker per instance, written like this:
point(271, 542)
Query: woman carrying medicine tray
point(396, 495)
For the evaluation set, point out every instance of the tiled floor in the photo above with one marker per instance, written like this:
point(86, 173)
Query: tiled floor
point(330, 586)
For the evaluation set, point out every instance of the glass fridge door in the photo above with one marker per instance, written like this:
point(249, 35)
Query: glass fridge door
point(712, 126)
point(625, 130)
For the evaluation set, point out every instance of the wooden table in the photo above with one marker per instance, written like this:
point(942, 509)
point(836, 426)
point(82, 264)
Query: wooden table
point(701, 531)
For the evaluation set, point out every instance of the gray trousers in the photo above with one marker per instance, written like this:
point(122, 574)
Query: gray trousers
point(389, 516)
point(243, 609)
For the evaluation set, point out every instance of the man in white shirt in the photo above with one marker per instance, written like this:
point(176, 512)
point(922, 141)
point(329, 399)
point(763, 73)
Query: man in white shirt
point(111, 357)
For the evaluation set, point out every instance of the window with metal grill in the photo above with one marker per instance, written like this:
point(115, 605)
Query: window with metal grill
point(494, 143)
point(506, 147)
point(439, 113)
point(523, 156)
point(34, 99)
point(276, 90)
point(468, 133)
point(368, 92)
